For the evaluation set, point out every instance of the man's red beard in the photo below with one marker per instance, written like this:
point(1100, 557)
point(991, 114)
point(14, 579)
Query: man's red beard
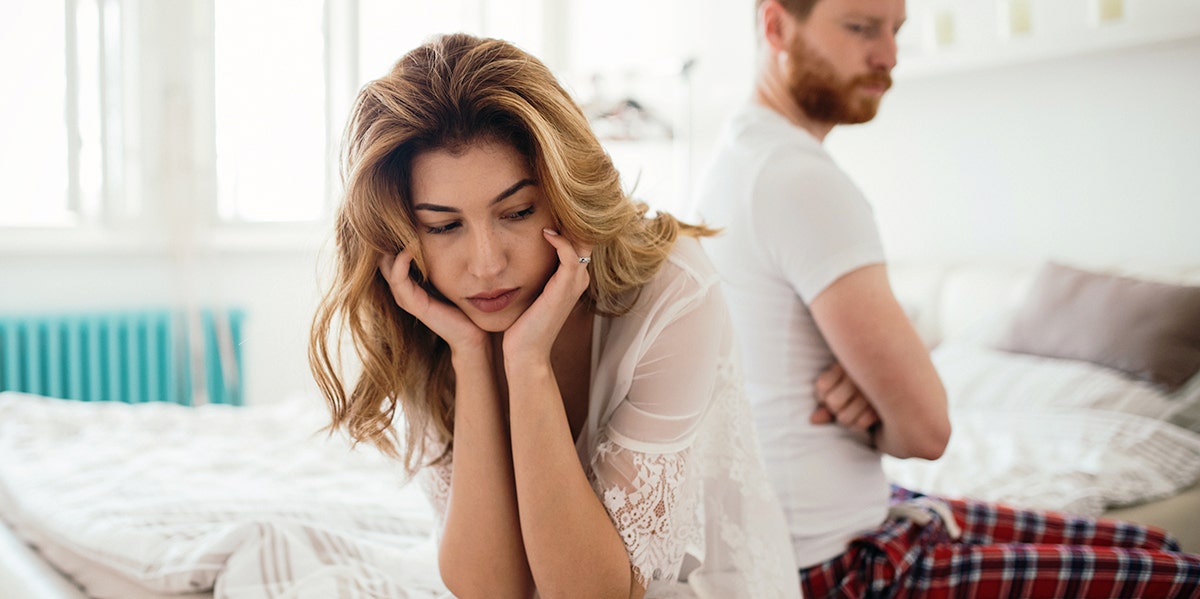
point(814, 84)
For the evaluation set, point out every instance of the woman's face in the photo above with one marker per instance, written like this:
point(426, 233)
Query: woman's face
point(480, 215)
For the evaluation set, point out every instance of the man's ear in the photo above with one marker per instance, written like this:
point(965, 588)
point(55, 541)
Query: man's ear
point(775, 24)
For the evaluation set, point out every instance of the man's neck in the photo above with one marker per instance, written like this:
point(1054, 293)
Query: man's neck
point(770, 94)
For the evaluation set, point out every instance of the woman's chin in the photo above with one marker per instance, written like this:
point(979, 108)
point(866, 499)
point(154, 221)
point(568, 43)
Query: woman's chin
point(494, 323)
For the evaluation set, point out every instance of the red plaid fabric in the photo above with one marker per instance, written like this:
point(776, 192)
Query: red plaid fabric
point(1006, 552)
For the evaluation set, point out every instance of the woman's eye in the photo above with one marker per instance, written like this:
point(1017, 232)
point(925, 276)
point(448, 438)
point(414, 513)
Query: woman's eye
point(441, 229)
point(520, 214)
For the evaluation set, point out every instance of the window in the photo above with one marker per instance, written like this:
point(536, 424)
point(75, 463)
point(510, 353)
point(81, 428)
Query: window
point(388, 29)
point(144, 119)
point(279, 106)
point(55, 157)
point(270, 110)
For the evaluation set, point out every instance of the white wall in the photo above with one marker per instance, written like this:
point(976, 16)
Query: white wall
point(1090, 159)
point(1087, 159)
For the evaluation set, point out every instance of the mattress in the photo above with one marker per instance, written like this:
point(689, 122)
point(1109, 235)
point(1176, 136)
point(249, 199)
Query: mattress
point(146, 500)
point(25, 574)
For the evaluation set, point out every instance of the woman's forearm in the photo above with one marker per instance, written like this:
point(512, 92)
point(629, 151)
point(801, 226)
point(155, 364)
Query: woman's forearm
point(481, 553)
point(570, 542)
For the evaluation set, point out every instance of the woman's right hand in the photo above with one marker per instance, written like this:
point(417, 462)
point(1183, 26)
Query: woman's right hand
point(444, 319)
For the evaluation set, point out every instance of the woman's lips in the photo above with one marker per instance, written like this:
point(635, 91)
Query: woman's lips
point(493, 301)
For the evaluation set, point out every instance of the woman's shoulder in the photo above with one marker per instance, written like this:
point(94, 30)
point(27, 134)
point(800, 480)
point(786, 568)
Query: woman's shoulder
point(688, 263)
point(685, 280)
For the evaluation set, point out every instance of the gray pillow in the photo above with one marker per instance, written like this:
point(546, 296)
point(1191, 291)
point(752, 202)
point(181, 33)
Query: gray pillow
point(1147, 329)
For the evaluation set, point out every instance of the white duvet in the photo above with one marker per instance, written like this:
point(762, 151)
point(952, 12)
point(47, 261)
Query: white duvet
point(253, 502)
point(245, 502)
point(1056, 434)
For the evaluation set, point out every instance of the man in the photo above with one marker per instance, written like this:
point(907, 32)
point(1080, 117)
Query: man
point(835, 371)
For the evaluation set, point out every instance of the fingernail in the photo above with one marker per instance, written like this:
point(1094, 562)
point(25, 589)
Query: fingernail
point(551, 232)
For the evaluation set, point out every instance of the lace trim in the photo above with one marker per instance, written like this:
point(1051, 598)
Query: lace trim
point(649, 510)
point(711, 501)
point(435, 481)
point(729, 448)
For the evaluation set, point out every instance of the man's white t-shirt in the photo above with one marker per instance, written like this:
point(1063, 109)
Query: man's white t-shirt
point(793, 223)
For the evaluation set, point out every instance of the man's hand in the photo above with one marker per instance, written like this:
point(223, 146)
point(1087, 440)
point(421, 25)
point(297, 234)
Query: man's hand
point(839, 400)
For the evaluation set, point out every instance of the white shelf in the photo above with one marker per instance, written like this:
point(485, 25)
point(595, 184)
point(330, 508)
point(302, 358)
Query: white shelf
point(944, 36)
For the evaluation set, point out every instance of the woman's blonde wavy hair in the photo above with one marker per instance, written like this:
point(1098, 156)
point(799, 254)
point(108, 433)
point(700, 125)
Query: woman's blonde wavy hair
point(446, 94)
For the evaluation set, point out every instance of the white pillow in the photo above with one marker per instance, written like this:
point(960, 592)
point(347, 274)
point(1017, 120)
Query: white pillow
point(1056, 434)
point(981, 377)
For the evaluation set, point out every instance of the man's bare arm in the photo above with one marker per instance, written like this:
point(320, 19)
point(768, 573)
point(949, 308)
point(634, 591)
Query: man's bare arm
point(875, 343)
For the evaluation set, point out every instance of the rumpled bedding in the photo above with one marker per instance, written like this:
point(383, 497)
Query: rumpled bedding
point(246, 502)
point(1056, 434)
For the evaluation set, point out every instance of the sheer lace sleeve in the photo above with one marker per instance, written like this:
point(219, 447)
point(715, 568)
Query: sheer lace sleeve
point(641, 466)
point(675, 460)
point(435, 482)
point(646, 497)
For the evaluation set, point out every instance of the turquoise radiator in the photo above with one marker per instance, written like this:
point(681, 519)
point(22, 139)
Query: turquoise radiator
point(148, 355)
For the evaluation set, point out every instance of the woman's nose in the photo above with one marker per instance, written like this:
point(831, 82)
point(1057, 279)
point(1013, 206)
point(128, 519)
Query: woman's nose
point(487, 257)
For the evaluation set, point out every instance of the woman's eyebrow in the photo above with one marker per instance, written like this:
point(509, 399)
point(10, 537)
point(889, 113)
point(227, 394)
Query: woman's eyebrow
point(499, 198)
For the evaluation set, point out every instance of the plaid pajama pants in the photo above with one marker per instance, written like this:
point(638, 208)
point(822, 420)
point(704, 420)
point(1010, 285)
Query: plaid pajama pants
point(1004, 552)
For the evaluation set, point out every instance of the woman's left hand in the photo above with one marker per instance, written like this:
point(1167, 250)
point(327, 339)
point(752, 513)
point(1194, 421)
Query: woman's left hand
point(533, 334)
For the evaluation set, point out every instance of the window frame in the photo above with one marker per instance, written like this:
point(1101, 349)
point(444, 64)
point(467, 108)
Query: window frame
point(157, 142)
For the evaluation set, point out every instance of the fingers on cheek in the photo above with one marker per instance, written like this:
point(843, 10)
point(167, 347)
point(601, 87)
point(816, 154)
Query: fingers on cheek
point(554, 239)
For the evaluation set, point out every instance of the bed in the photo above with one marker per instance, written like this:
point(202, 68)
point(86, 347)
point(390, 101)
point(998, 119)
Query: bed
point(1057, 397)
point(116, 500)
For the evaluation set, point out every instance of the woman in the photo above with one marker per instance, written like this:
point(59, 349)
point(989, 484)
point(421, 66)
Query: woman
point(559, 365)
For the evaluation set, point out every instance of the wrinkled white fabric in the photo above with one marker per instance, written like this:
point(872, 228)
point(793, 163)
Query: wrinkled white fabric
point(1063, 435)
point(670, 448)
point(156, 499)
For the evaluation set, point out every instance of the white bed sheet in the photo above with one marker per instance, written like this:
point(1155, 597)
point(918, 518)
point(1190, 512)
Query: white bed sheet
point(25, 574)
point(245, 502)
point(1056, 434)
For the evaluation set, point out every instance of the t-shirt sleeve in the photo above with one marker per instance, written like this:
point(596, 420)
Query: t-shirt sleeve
point(811, 221)
point(641, 467)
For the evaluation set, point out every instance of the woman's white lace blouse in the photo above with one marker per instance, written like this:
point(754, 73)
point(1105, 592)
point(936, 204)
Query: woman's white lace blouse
point(669, 445)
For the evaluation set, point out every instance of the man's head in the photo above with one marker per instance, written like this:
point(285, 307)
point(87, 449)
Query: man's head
point(834, 56)
point(798, 8)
